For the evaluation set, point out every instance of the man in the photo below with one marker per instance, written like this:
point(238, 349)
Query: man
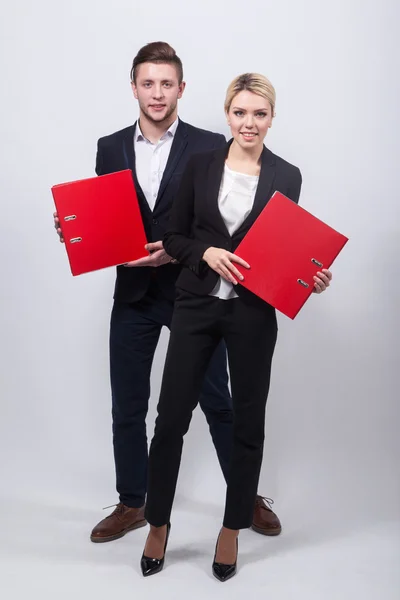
point(156, 149)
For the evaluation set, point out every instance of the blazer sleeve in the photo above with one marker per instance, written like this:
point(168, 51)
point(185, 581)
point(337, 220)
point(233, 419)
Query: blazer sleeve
point(178, 242)
point(99, 160)
point(295, 186)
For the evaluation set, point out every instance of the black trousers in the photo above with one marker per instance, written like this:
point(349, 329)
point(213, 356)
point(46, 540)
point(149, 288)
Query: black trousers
point(134, 334)
point(199, 324)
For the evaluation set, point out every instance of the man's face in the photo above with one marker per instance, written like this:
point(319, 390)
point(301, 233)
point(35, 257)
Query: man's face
point(158, 90)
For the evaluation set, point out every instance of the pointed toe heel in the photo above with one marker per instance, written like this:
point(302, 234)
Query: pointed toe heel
point(151, 566)
point(224, 572)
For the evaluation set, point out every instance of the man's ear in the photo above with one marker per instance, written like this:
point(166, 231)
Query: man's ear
point(182, 87)
point(134, 90)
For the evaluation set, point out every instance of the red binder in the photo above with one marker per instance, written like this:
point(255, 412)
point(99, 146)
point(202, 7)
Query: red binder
point(100, 221)
point(285, 248)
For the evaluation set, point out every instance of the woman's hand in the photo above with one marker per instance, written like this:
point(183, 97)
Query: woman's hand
point(221, 261)
point(57, 226)
point(322, 281)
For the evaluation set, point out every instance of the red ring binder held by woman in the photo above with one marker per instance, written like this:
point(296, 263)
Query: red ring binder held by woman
point(100, 221)
point(285, 248)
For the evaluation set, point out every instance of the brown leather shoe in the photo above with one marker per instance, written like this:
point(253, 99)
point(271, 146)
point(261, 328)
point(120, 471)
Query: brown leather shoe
point(265, 521)
point(116, 525)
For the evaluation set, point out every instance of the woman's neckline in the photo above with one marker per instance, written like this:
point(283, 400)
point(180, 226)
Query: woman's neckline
point(239, 173)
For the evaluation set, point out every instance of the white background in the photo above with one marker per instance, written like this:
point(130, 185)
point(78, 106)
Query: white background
point(332, 448)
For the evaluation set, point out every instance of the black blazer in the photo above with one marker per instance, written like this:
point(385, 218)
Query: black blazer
point(115, 152)
point(196, 223)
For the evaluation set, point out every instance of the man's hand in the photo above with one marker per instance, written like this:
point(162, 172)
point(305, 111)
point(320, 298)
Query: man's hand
point(157, 257)
point(57, 226)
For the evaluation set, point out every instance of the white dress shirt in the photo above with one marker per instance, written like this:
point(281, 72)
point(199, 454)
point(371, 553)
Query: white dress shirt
point(151, 160)
point(235, 201)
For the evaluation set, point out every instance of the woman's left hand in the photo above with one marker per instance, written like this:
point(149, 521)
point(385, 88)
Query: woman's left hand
point(322, 281)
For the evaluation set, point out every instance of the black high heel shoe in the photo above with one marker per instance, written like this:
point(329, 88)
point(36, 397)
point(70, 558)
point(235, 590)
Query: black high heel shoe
point(224, 572)
point(151, 566)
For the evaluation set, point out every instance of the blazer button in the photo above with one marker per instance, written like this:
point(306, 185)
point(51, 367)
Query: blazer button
point(155, 222)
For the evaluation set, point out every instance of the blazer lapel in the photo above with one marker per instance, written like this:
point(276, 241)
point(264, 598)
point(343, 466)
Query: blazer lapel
point(215, 173)
point(178, 146)
point(130, 161)
point(263, 192)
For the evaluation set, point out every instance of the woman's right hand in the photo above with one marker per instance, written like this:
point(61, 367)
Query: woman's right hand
point(57, 227)
point(221, 261)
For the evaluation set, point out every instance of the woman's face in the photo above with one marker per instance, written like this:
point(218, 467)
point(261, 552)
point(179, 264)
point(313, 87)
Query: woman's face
point(249, 117)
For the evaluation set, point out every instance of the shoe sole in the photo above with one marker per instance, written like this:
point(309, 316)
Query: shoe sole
point(111, 538)
point(270, 532)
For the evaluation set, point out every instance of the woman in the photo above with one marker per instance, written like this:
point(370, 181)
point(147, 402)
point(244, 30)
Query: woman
point(221, 195)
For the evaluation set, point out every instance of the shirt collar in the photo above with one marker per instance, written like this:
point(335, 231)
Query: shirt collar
point(139, 137)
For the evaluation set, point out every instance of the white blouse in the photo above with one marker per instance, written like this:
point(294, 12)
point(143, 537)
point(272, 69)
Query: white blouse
point(235, 201)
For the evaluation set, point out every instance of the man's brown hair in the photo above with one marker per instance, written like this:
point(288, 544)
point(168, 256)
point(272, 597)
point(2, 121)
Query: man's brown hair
point(159, 53)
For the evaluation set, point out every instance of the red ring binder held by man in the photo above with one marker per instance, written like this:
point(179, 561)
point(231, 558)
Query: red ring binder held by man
point(285, 248)
point(100, 221)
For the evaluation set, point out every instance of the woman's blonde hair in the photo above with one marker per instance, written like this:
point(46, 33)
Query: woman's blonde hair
point(255, 83)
